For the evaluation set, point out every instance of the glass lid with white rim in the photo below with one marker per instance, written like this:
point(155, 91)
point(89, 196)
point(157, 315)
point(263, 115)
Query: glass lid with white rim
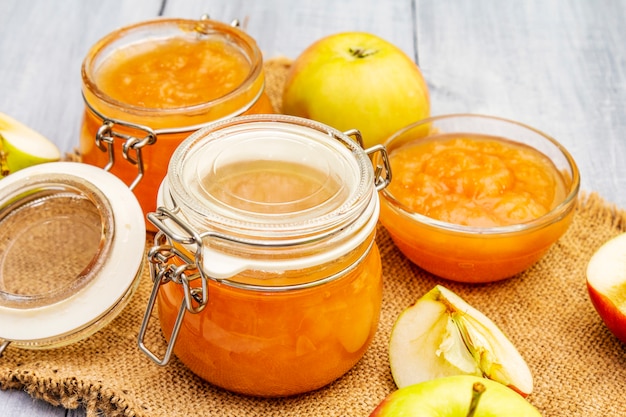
point(72, 239)
point(270, 176)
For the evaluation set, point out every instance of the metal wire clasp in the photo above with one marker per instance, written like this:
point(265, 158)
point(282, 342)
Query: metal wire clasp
point(183, 270)
point(3, 346)
point(201, 27)
point(106, 136)
point(132, 146)
point(382, 173)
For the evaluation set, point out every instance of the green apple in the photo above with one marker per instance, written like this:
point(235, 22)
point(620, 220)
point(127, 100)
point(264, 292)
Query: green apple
point(356, 80)
point(442, 335)
point(455, 396)
point(21, 146)
point(606, 284)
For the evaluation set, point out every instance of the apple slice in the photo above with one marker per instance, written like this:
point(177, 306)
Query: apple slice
point(21, 146)
point(455, 396)
point(442, 335)
point(606, 284)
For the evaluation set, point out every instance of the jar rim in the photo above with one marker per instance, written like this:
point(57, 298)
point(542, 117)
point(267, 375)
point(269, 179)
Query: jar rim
point(232, 34)
point(31, 215)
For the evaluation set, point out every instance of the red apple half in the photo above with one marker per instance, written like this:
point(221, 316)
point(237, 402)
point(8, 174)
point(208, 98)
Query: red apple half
point(606, 284)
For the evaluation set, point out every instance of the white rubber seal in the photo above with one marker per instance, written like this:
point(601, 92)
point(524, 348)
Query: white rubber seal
point(117, 274)
point(221, 266)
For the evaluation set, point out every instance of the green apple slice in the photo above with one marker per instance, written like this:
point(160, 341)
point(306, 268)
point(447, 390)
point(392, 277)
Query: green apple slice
point(442, 335)
point(455, 396)
point(21, 146)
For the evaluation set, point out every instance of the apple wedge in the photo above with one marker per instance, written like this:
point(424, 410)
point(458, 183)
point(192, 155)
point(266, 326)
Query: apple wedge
point(455, 396)
point(21, 146)
point(442, 335)
point(606, 284)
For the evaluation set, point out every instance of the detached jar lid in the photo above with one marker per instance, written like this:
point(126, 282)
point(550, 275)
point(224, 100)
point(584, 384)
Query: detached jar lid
point(72, 239)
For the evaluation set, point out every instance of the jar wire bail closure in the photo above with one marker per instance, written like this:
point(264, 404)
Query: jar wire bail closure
point(106, 136)
point(382, 173)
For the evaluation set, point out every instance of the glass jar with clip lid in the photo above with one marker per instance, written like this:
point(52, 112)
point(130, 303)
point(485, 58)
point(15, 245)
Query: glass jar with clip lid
point(266, 275)
point(149, 85)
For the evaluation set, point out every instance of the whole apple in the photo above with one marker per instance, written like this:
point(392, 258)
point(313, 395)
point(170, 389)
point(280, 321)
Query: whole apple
point(356, 80)
point(606, 284)
point(455, 396)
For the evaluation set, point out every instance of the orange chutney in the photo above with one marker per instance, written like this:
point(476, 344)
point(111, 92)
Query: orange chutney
point(475, 181)
point(472, 183)
point(298, 308)
point(195, 73)
point(173, 73)
point(278, 343)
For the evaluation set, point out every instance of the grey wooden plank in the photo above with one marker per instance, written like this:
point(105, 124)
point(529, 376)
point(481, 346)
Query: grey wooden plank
point(559, 66)
point(20, 404)
point(285, 27)
point(42, 46)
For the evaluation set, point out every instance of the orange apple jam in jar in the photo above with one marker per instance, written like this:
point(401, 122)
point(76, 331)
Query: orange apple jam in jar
point(150, 85)
point(477, 199)
point(267, 276)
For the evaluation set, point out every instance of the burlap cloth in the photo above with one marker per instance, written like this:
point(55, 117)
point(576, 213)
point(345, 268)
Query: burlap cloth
point(579, 367)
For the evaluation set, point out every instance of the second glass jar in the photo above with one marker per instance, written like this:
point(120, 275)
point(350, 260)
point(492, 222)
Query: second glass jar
point(150, 85)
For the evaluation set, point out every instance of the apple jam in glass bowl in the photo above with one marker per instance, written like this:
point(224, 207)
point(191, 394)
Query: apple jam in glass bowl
point(477, 198)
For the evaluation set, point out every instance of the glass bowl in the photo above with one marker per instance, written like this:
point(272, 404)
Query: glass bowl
point(453, 247)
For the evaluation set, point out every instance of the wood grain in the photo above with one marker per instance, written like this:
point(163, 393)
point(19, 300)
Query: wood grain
point(559, 66)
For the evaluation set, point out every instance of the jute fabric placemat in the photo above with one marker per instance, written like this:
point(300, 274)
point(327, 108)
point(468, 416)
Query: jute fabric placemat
point(579, 367)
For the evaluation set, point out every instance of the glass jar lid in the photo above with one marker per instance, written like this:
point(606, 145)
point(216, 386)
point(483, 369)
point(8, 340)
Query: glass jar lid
point(271, 177)
point(268, 193)
point(72, 239)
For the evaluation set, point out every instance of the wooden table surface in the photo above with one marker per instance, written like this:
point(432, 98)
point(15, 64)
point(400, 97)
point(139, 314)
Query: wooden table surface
point(557, 65)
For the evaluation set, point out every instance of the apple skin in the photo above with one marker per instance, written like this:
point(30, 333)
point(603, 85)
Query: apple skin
point(451, 397)
point(356, 80)
point(606, 284)
point(22, 146)
point(613, 318)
